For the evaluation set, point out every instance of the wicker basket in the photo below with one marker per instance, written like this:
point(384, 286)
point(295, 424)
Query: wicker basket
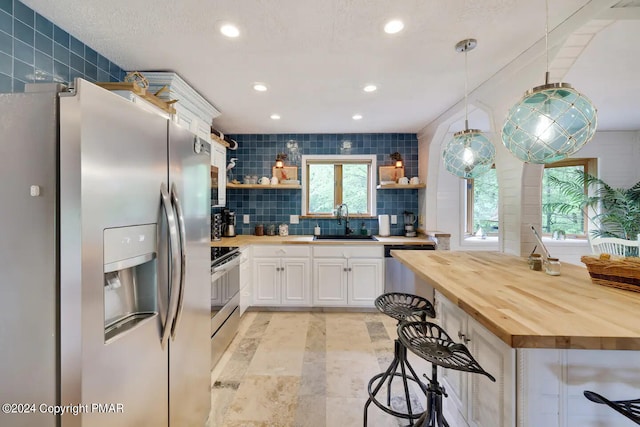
point(616, 272)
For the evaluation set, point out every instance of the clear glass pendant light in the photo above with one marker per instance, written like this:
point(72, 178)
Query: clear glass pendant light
point(469, 153)
point(551, 122)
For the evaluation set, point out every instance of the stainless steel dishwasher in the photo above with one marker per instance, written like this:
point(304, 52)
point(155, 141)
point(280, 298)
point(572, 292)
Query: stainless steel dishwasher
point(399, 278)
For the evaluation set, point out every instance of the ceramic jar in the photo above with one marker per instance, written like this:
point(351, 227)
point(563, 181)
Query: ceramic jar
point(271, 230)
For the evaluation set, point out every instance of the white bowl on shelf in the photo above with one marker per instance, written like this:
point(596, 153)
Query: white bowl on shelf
point(290, 181)
point(387, 182)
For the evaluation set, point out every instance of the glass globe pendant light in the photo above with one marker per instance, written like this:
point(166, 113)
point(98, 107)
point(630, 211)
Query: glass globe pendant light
point(469, 153)
point(551, 122)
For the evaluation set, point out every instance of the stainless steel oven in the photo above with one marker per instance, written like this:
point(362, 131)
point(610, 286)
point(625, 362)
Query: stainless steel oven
point(225, 299)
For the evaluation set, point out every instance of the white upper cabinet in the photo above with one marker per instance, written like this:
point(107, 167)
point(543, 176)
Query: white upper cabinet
point(219, 160)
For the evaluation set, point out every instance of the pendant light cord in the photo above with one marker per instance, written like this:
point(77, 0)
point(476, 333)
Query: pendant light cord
point(546, 39)
point(466, 90)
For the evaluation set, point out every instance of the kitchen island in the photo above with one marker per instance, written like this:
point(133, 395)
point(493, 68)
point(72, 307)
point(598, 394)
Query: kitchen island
point(545, 338)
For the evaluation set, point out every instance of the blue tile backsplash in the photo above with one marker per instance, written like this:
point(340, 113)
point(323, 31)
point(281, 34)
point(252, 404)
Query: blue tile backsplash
point(33, 49)
point(256, 155)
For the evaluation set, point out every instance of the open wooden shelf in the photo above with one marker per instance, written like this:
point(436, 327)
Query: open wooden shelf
point(141, 92)
point(219, 140)
point(400, 186)
point(266, 187)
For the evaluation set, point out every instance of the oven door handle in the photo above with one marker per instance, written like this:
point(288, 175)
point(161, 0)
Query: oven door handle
point(226, 266)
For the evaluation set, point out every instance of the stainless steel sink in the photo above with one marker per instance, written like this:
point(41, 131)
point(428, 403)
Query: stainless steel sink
point(343, 237)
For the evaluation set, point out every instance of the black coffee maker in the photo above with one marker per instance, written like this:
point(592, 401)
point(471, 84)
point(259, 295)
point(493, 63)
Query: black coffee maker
point(228, 223)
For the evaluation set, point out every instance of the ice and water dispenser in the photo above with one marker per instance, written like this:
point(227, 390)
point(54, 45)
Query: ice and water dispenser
point(130, 277)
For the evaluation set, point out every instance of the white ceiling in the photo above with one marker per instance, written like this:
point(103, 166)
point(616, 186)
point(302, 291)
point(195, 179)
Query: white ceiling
point(316, 55)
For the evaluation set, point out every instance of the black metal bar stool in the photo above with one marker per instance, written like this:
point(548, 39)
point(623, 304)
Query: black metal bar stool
point(628, 408)
point(431, 342)
point(401, 307)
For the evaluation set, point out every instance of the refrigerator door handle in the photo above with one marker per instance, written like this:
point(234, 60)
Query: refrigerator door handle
point(173, 250)
point(175, 200)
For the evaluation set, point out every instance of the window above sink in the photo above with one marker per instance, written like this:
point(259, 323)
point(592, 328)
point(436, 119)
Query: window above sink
point(331, 180)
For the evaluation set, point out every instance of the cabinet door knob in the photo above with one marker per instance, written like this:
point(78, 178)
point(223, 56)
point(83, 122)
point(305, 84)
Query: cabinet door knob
point(281, 268)
point(349, 268)
point(345, 269)
point(277, 268)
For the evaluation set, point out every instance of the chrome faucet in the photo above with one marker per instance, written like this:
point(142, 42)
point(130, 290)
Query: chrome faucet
point(342, 211)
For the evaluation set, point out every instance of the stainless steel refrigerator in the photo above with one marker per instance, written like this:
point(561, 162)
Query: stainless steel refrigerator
point(104, 263)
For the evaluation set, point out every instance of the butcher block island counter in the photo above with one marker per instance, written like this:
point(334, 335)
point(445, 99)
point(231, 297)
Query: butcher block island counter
point(530, 309)
point(545, 338)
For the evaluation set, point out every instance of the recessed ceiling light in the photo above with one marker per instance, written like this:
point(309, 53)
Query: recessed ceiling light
point(394, 26)
point(260, 87)
point(356, 116)
point(275, 117)
point(230, 30)
point(370, 88)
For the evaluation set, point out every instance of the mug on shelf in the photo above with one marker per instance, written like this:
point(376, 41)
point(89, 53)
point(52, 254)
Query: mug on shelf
point(274, 180)
point(415, 180)
point(265, 180)
point(404, 180)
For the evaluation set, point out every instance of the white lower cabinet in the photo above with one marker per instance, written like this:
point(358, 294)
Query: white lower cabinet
point(330, 281)
point(473, 399)
point(347, 275)
point(546, 383)
point(246, 274)
point(282, 276)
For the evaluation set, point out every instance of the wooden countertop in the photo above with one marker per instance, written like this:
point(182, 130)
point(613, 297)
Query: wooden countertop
point(530, 309)
point(245, 240)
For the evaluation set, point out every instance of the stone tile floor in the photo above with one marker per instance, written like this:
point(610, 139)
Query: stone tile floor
point(306, 369)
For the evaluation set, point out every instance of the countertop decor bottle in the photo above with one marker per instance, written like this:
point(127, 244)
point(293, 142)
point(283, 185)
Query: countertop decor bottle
point(535, 262)
point(552, 266)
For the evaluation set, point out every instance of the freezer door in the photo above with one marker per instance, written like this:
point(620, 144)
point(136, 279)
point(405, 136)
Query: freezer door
point(113, 160)
point(28, 256)
point(189, 346)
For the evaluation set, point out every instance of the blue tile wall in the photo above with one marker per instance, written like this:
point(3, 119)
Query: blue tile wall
point(34, 49)
point(256, 155)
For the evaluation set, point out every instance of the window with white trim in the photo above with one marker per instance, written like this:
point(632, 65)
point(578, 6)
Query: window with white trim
point(482, 204)
point(562, 196)
point(332, 180)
